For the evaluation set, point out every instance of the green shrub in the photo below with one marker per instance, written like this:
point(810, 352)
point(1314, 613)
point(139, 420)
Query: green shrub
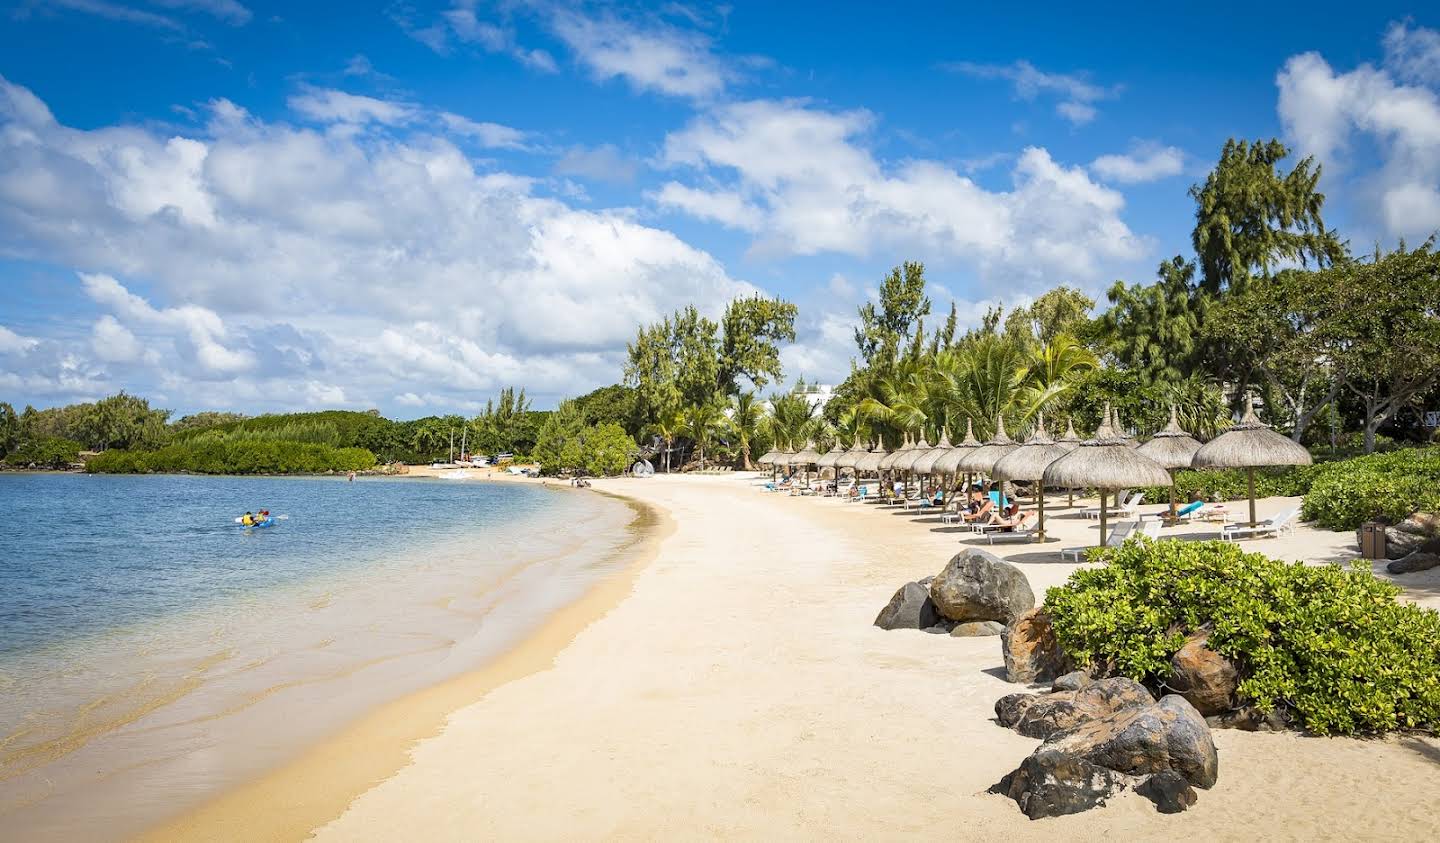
point(1388, 487)
point(1230, 484)
point(230, 455)
point(1329, 646)
point(44, 452)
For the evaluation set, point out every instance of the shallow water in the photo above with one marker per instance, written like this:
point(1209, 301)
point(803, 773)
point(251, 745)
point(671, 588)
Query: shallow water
point(153, 652)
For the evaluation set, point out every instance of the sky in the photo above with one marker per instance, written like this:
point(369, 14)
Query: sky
point(237, 205)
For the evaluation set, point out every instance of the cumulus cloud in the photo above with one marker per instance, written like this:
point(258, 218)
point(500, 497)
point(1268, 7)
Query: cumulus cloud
point(272, 257)
point(1394, 109)
point(490, 135)
point(798, 176)
point(462, 22)
point(327, 105)
point(13, 343)
point(1077, 94)
point(654, 57)
point(1144, 162)
point(229, 11)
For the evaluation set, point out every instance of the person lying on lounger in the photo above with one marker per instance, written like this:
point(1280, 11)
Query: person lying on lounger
point(1007, 515)
point(1012, 524)
point(982, 510)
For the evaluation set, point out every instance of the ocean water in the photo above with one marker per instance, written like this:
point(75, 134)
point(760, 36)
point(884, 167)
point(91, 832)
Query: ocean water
point(153, 652)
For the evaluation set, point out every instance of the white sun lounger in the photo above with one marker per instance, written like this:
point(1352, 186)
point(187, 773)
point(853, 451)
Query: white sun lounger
point(1021, 532)
point(1122, 509)
point(1119, 533)
point(1276, 525)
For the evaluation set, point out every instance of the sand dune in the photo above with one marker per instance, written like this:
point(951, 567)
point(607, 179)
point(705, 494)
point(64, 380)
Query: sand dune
point(741, 691)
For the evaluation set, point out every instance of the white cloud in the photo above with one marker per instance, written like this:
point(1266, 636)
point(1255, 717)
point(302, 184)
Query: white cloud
point(327, 105)
point(809, 187)
point(119, 12)
point(462, 22)
point(1324, 112)
point(13, 343)
point(1077, 94)
point(274, 256)
point(490, 135)
point(657, 57)
point(598, 163)
point(1413, 54)
point(727, 208)
point(1144, 162)
point(114, 342)
point(228, 11)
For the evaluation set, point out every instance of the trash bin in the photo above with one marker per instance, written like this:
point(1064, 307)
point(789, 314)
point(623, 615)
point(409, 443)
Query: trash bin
point(1372, 540)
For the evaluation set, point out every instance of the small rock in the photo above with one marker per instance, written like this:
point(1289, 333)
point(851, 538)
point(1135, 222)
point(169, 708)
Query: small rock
point(1169, 791)
point(1042, 715)
point(1249, 719)
point(1421, 524)
point(1418, 560)
point(1072, 681)
point(910, 608)
point(974, 629)
point(1399, 544)
point(1052, 784)
point(1203, 676)
point(1168, 735)
point(979, 586)
point(1032, 653)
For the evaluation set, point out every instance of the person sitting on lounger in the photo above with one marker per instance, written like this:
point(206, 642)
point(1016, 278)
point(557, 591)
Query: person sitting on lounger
point(1007, 515)
point(1013, 523)
point(981, 511)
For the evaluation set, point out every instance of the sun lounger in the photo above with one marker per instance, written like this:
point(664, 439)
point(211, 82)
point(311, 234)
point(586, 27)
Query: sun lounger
point(1093, 512)
point(1274, 526)
point(1119, 533)
point(1024, 531)
point(1186, 512)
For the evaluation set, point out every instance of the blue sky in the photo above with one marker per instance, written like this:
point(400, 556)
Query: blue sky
point(223, 203)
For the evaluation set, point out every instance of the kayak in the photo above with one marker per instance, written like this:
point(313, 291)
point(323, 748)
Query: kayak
point(267, 522)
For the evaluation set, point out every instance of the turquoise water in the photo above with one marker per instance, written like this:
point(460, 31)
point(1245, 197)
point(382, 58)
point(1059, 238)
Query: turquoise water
point(83, 554)
point(154, 653)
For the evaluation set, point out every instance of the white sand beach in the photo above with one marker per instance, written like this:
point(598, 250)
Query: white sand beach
point(739, 690)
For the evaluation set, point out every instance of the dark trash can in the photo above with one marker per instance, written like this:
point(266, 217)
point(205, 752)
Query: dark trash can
point(1372, 540)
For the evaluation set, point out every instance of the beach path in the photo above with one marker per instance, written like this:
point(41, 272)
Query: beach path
point(740, 691)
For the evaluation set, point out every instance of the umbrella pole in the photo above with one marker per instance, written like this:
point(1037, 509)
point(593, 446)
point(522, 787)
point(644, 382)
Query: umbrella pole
point(1172, 495)
point(1040, 528)
point(1104, 498)
point(1250, 479)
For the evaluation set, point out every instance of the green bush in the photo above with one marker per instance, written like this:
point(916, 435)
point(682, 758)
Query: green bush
point(1330, 647)
point(1388, 487)
point(44, 452)
point(1230, 484)
point(228, 455)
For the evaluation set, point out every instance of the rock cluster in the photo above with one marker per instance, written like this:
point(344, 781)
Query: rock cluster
point(1032, 652)
point(1102, 737)
point(1413, 544)
point(977, 593)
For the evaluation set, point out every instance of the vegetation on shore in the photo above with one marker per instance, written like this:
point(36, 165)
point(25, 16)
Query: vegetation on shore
point(1331, 648)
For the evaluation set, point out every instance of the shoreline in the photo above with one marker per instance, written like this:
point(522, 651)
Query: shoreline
point(320, 781)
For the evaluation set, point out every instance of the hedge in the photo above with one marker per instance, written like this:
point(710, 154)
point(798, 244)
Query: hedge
point(235, 456)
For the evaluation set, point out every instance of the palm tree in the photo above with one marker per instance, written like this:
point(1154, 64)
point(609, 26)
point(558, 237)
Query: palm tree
point(667, 427)
point(700, 422)
point(792, 420)
point(746, 416)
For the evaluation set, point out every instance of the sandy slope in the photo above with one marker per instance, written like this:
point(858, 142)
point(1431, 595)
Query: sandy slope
point(741, 691)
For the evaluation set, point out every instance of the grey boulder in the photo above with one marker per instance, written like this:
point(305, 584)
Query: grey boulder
point(1168, 735)
point(910, 608)
point(1042, 715)
point(979, 586)
point(974, 629)
point(1072, 681)
point(1051, 784)
point(1169, 791)
point(1417, 560)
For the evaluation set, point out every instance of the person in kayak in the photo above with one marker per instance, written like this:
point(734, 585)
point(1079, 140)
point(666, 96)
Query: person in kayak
point(248, 520)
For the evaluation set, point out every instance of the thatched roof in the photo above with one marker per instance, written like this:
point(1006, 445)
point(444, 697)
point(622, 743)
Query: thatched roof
point(950, 463)
point(768, 458)
point(871, 460)
point(907, 460)
point(1120, 433)
point(1029, 461)
point(1250, 444)
point(888, 461)
point(784, 457)
point(925, 463)
point(807, 455)
point(982, 459)
point(827, 459)
point(1071, 440)
point(853, 455)
point(1171, 447)
point(1104, 462)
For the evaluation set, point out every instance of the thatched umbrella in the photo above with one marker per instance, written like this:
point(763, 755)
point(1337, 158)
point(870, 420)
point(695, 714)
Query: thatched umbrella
point(1172, 448)
point(887, 462)
point(827, 460)
point(983, 459)
point(806, 458)
point(906, 461)
point(1028, 462)
point(1071, 440)
point(950, 463)
point(925, 463)
point(1129, 440)
point(871, 460)
point(850, 457)
point(1105, 463)
point(1248, 445)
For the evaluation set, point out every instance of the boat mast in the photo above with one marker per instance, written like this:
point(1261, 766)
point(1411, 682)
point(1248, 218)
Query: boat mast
point(452, 445)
